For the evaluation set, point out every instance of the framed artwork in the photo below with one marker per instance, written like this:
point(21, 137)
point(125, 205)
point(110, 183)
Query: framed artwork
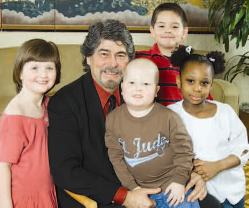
point(28, 14)
point(79, 14)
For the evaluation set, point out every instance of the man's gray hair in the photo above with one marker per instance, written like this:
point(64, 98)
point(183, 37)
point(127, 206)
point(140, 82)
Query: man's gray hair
point(108, 30)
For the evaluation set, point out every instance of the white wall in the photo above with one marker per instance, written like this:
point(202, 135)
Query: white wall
point(198, 41)
point(9, 39)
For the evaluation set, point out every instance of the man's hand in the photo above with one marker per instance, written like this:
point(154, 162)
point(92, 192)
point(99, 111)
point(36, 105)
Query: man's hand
point(175, 193)
point(199, 187)
point(138, 198)
point(206, 169)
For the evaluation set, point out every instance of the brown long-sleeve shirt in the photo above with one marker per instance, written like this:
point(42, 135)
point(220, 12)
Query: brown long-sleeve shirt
point(150, 151)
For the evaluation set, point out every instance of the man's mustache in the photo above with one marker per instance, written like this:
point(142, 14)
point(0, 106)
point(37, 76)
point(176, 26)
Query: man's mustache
point(112, 70)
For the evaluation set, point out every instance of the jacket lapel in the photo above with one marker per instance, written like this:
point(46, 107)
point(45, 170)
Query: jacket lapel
point(96, 116)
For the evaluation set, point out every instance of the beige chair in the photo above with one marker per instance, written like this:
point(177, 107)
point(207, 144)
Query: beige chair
point(226, 92)
point(87, 202)
point(222, 91)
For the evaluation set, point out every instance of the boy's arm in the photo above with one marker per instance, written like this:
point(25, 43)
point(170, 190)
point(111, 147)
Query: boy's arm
point(182, 150)
point(199, 187)
point(5, 185)
point(136, 197)
point(116, 156)
point(194, 180)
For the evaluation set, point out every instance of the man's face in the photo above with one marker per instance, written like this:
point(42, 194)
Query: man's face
point(108, 63)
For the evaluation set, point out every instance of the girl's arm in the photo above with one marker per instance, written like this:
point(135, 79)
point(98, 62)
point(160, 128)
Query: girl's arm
point(237, 146)
point(210, 169)
point(5, 185)
point(238, 140)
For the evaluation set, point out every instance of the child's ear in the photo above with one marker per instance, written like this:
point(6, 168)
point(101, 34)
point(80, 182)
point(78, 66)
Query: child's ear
point(178, 81)
point(212, 85)
point(185, 34)
point(152, 34)
point(157, 90)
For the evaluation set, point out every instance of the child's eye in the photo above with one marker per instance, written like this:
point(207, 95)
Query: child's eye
point(131, 82)
point(205, 83)
point(175, 26)
point(160, 26)
point(50, 68)
point(191, 81)
point(146, 83)
point(34, 68)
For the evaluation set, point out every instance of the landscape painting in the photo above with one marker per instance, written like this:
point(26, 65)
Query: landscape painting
point(34, 14)
point(79, 14)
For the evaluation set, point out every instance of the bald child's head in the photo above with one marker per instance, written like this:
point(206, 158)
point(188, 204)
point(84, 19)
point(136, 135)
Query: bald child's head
point(143, 66)
point(140, 86)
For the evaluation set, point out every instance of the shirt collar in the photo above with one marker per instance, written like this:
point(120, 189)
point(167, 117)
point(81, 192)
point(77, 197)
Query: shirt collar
point(104, 95)
point(155, 50)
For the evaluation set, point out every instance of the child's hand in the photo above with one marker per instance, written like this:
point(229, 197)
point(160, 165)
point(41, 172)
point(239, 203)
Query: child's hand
point(175, 193)
point(206, 169)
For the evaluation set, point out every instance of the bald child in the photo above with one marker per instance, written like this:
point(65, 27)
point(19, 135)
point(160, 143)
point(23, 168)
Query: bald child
point(147, 143)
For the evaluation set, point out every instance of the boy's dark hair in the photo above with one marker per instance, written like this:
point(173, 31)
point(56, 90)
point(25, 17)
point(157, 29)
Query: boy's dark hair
point(106, 30)
point(185, 54)
point(36, 50)
point(174, 7)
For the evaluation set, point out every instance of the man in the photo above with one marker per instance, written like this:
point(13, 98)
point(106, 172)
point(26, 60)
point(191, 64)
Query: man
point(78, 156)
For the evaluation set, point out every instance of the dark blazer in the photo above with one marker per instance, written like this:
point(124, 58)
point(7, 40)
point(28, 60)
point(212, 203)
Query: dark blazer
point(77, 153)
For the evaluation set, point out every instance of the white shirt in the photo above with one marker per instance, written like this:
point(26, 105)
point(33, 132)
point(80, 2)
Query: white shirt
point(215, 138)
